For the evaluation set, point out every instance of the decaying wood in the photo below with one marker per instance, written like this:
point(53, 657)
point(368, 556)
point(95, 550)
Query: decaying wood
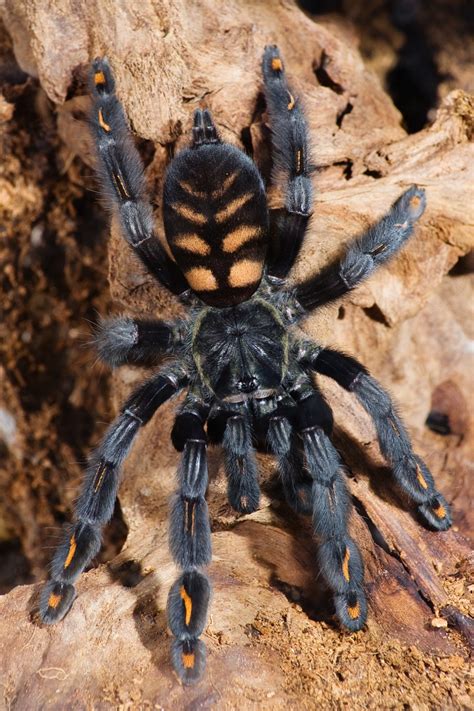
point(270, 638)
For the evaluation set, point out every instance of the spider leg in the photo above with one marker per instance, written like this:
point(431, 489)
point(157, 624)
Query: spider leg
point(204, 130)
point(284, 444)
point(122, 340)
point(190, 544)
point(305, 407)
point(121, 173)
point(320, 489)
point(410, 471)
point(291, 156)
point(364, 255)
point(82, 539)
point(243, 490)
point(338, 556)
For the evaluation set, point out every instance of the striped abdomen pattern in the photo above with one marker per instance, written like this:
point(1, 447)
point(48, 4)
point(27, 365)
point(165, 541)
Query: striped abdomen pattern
point(216, 222)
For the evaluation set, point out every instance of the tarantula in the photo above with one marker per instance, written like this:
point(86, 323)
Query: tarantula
point(249, 377)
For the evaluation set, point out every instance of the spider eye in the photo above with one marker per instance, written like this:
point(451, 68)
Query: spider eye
point(216, 222)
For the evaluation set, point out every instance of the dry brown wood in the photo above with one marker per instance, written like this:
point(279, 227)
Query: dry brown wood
point(269, 638)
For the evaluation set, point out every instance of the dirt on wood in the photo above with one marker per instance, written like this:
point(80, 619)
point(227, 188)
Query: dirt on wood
point(271, 638)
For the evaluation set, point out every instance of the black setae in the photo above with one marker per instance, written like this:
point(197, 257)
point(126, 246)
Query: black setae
point(249, 377)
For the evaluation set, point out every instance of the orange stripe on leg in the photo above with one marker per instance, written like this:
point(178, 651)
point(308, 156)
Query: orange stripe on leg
point(345, 565)
point(99, 476)
point(421, 478)
point(72, 550)
point(188, 604)
point(102, 122)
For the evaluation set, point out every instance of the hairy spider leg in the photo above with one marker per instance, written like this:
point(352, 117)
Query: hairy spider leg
point(122, 340)
point(82, 539)
point(190, 545)
point(121, 174)
point(319, 488)
point(303, 408)
point(284, 443)
point(409, 470)
point(291, 157)
point(365, 254)
point(339, 559)
point(240, 464)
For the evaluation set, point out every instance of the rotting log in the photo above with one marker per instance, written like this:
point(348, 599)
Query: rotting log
point(409, 325)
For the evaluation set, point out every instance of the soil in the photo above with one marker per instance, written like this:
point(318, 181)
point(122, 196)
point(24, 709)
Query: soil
point(272, 641)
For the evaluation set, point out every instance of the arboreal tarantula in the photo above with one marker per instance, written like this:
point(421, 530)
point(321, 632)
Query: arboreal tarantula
point(249, 378)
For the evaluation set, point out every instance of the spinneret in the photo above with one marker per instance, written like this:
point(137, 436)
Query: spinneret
point(250, 377)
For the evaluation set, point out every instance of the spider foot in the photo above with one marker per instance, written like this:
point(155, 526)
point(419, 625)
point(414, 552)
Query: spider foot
point(102, 78)
point(351, 609)
point(272, 61)
point(189, 659)
point(436, 513)
point(55, 601)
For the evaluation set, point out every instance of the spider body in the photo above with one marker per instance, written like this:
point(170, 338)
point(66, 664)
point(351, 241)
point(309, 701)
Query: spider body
point(241, 351)
point(248, 373)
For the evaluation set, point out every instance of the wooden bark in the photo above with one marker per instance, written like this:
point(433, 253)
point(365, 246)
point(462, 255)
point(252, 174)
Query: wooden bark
point(270, 638)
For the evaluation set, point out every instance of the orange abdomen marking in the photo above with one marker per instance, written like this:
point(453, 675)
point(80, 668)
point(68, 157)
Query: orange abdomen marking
point(192, 243)
point(201, 279)
point(244, 272)
point(189, 213)
point(232, 207)
point(240, 236)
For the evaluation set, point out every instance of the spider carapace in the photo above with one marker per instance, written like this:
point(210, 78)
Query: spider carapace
point(248, 373)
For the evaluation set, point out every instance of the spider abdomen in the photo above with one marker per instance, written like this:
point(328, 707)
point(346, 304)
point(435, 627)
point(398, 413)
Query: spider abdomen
point(241, 350)
point(216, 222)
